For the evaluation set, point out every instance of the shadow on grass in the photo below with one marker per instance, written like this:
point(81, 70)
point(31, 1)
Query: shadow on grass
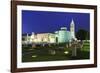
point(81, 55)
point(33, 57)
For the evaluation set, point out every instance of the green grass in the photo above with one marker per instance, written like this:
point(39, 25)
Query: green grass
point(43, 53)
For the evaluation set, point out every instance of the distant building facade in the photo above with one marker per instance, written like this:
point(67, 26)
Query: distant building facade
point(60, 36)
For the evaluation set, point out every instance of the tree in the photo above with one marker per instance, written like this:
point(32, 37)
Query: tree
point(82, 35)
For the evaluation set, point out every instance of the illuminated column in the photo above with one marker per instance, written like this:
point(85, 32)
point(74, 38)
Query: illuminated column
point(32, 37)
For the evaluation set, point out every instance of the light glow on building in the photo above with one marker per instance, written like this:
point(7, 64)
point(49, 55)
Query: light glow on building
point(59, 36)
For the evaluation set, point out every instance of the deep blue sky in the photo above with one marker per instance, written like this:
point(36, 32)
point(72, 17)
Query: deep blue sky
point(44, 21)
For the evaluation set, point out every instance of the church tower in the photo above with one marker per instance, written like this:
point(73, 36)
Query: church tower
point(72, 29)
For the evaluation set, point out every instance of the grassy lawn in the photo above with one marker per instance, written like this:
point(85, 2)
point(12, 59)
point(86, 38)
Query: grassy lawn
point(30, 54)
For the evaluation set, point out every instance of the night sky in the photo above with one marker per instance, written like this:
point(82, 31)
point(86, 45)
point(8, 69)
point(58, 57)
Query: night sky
point(46, 21)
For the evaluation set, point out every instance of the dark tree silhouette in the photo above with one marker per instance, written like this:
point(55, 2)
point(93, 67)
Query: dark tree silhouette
point(82, 35)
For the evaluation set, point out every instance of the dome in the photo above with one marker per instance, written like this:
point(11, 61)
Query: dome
point(63, 28)
point(56, 31)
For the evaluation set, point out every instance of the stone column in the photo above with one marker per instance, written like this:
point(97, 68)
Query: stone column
point(74, 48)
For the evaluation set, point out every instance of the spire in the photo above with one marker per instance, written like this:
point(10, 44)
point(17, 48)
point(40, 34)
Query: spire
point(72, 22)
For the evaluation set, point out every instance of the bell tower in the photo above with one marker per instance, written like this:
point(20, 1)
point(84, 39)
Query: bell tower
point(72, 28)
